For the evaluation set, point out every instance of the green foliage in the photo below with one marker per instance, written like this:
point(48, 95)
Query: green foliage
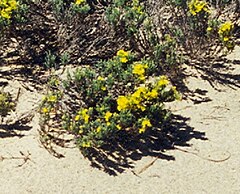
point(6, 103)
point(54, 62)
point(126, 14)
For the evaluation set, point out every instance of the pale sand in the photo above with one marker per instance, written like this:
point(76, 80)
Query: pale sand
point(187, 173)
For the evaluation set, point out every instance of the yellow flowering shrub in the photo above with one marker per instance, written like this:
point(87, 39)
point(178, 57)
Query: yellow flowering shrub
point(7, 7)
point(196, 7)
point(225, 31)
point(126, 105)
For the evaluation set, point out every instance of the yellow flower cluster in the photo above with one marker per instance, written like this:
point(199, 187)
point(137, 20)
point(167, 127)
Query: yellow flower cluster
point(50, 98)
point(49, 101)
point(141, 95)
point(163, 81)
point(107, 116)
point(145, 123)
point(101, 79)
point(83, 114)
point(6, 8)
point(123, 103)
point(79, 2)
point(123, 56)
point(86, 144)
point(196, 6)
point(45, 110)
point(139, 69)
point(225, 30)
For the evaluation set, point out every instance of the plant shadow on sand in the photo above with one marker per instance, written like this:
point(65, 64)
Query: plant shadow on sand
point(12, 130)
point(122, 153)
point(219, 73)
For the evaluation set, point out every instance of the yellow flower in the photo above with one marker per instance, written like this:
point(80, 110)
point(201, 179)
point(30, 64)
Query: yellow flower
point(80, 129)
point(141, 130)
point(145, 123)
point(100, 78)
point(138, 97)
point(118, 127)
point(86, 118)
point(140, 92)
point(122, 53)
point(139, 106)
point(107, 116)
point(123, 60)
point(5, 14)
point(98, 129)
point(196, 6)
point(78, 2)
point(86, 144)
point(225, 28)
point(45, 110)
point(52, 98)
point(84, 114)
point(123, 56)
point(225, 39)
point(163, 81)
point(139, 69)
point(103, 88)
point(122, 102)
point(209, 29)
point(77, 117)
point(13, 4)
point(152, 94)
point(108, 123)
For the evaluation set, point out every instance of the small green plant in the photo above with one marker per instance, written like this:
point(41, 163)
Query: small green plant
point(118, 95)
point(6, 104)
point(53, 62)
point(225, 32)
point(50, 61)
point(127, 14)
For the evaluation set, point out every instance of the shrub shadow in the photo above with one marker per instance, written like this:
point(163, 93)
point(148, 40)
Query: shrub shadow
point(220, 72)
point(29, 78)
point(12, 130)
point(122, 153)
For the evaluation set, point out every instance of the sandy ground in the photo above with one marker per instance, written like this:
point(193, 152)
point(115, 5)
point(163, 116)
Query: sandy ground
point(210, 164)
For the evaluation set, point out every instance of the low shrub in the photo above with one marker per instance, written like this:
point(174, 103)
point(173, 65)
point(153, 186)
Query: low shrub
point(6, 104)
point(98, 103)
